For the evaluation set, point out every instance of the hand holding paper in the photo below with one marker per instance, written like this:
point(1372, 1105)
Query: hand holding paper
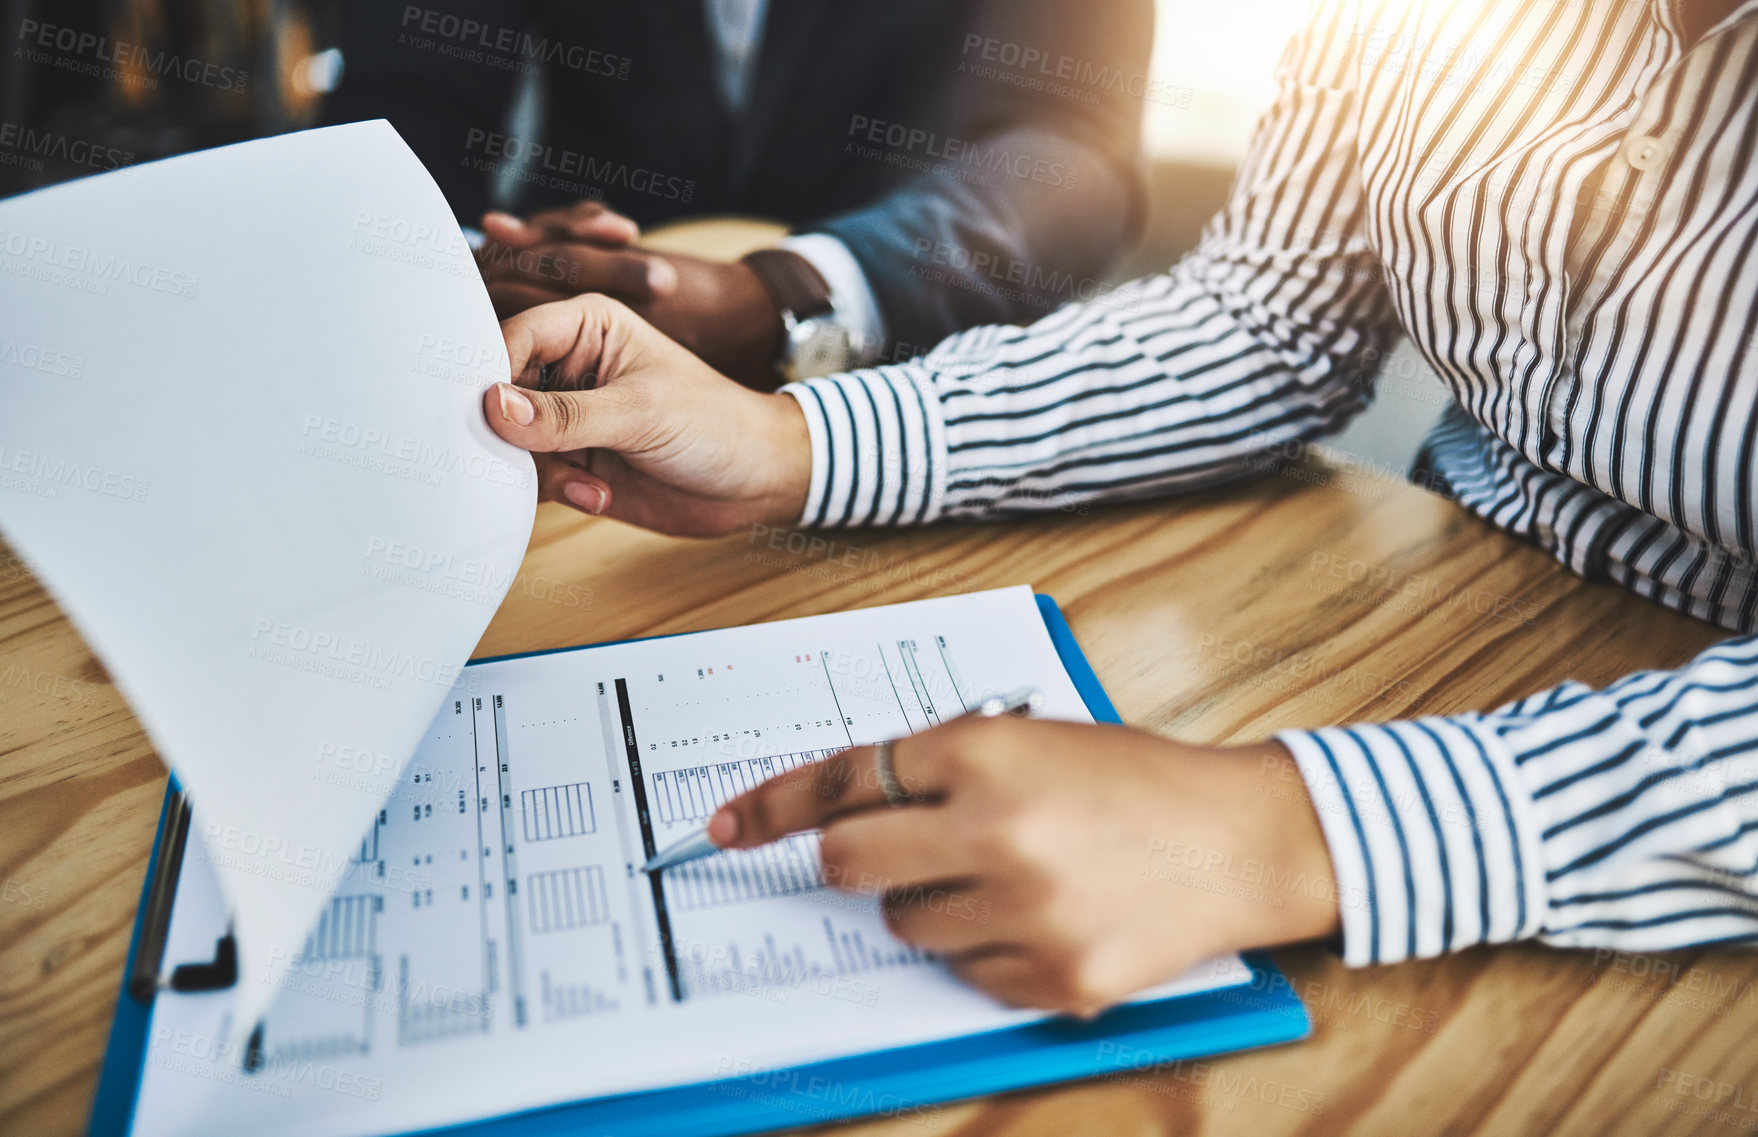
point(652, 435)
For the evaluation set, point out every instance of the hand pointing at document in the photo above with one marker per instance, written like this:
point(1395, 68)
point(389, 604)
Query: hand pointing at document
point(639, 429)
point(1056, 864)
point(1033, 856)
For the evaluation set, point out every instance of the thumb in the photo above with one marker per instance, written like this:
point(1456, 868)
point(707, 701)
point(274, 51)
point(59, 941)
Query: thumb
point(548, 421)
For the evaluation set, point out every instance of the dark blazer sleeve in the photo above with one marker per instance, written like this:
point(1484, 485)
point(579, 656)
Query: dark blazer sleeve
point(426, 69)
point(1038, 184)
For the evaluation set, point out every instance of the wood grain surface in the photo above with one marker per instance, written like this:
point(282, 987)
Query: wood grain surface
point(1303, 597)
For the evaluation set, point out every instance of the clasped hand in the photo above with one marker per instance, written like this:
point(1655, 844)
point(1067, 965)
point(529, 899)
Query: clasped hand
point(719, 310)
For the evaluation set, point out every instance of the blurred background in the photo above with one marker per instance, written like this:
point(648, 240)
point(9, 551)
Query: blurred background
point(265, 66)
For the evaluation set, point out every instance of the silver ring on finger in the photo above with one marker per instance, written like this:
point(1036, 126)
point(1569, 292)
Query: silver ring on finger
point(886, 774)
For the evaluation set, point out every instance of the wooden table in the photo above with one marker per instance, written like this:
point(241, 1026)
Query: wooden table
point(1307, 597)
point(1218, 617)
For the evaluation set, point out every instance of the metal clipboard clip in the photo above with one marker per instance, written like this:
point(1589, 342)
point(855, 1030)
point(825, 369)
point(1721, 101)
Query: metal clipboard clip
point(144, 969)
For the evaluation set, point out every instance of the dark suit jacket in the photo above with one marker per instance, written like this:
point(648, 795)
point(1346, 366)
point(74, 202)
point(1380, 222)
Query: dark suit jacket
point(978, 157)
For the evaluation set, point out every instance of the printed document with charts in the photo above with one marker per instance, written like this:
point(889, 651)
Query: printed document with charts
point(271, 505)
point(493, 947)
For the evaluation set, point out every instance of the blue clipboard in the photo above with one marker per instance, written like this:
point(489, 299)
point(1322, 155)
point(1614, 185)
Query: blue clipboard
point(899, 1082)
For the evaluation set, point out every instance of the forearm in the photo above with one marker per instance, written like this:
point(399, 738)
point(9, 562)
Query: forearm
point(1023, 221)
point(1625, 817)
point(1028, 189)
point(1170, 383)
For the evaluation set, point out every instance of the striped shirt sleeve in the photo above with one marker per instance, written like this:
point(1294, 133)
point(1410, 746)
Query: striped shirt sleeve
point(1624, 818)
point(1173, 381)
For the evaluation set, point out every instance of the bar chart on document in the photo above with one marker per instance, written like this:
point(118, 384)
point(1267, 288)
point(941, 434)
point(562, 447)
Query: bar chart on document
point(499, 887)
point(475, 904)
point(495, 914)
point(763, 918)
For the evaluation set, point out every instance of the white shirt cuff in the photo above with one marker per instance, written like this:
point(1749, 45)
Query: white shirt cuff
point(878, 447)
point(1431, 834)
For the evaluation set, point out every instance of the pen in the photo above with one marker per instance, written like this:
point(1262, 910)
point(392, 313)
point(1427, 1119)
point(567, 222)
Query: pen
point(1024, 702)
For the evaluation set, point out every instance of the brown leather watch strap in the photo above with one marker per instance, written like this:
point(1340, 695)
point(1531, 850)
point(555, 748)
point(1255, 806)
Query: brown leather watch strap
point(791, 280)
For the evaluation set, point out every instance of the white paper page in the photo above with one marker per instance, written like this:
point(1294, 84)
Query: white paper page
point(492, 947)
point(242, 444)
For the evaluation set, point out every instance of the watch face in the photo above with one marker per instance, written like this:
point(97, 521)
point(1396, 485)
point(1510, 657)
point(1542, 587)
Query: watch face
point(820, 348)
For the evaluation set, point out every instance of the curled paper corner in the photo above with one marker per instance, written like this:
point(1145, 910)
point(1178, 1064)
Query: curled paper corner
point(270, 504)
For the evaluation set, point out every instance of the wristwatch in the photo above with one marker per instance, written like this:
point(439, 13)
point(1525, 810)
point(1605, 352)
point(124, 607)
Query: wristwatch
point(813, 343)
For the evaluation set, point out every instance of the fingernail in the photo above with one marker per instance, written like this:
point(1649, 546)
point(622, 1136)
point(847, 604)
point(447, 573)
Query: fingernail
point(500, 218)
point(585, 495)
point(515, 407)
point(723, 828)
point(661, 276)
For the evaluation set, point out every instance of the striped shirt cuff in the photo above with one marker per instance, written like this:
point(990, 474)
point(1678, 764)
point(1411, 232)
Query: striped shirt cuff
point(878, 447)
point(1431, 832)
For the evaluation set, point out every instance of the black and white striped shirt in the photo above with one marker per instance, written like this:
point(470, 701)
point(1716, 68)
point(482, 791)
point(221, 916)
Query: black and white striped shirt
point(1557, 201)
